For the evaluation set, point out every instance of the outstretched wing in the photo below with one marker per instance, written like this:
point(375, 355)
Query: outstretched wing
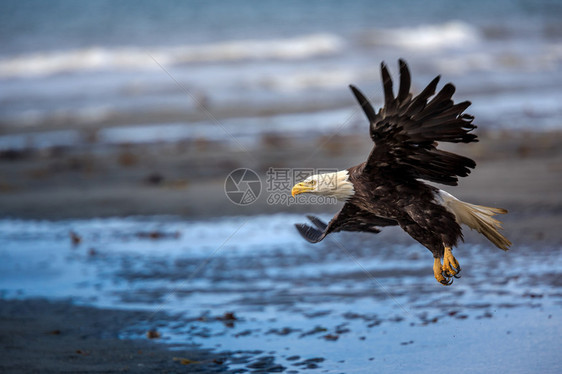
point(349, 218)
point(406, 131)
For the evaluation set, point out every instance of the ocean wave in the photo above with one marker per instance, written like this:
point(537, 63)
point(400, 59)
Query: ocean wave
point(100, 58)
point(426, 37)
point(314, 78)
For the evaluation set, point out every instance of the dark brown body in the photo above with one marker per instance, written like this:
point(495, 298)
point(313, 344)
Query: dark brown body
point(410, 203)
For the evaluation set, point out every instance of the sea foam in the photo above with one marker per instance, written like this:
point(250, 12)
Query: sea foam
point(105, 58)
point(428, 37)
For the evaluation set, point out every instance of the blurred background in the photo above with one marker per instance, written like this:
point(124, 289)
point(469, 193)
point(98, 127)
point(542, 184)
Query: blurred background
point(120, 121)
point(108, 95)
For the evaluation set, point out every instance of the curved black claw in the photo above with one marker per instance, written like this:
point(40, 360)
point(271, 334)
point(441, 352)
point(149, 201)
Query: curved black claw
point(451, 267)
point(448, 279)
point(455, 272)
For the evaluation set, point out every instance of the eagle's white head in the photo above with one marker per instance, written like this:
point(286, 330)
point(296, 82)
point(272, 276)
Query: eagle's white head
point(329, 184)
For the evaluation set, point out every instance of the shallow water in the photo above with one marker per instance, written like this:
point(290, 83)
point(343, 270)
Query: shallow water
point(252, 288)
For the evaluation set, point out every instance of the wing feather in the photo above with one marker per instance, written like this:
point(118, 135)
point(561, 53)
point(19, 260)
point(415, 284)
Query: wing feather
point(321, 225)
point(438, 104)
point(310, 233)
point(349, 218)
point(405, 82)
point(406, 131)
point(419, 102)
point(389, 101)
point(365, 104)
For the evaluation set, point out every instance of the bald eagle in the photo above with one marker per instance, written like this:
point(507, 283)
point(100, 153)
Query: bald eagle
point(389, 188)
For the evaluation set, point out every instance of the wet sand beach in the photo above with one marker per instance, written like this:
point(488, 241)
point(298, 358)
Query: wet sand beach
point(56, 336)
point(520, 170)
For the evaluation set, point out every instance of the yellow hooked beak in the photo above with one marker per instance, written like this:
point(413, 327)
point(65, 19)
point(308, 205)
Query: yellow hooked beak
point(302, 187)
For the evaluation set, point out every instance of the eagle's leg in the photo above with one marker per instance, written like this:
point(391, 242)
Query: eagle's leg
point(441, 276)
point(451, 266)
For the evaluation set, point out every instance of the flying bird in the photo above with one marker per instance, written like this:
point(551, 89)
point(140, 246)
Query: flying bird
point(390, 188)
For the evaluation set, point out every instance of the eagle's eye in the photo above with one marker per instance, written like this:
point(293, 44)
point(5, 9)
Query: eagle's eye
point(313, 182)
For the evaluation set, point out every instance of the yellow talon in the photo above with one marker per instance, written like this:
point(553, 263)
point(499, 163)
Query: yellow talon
point(451, 266)
point(439, 274)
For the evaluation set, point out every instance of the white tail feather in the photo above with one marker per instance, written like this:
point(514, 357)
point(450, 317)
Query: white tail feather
point(477, 217)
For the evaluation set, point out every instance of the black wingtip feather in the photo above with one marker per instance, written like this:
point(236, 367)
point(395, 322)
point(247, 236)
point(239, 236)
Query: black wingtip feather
point(309, 233)
point(440, 102)
point(420, 101)
point(405, 82)
point(364, 103)
point(387, 86)
point(321, 225)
